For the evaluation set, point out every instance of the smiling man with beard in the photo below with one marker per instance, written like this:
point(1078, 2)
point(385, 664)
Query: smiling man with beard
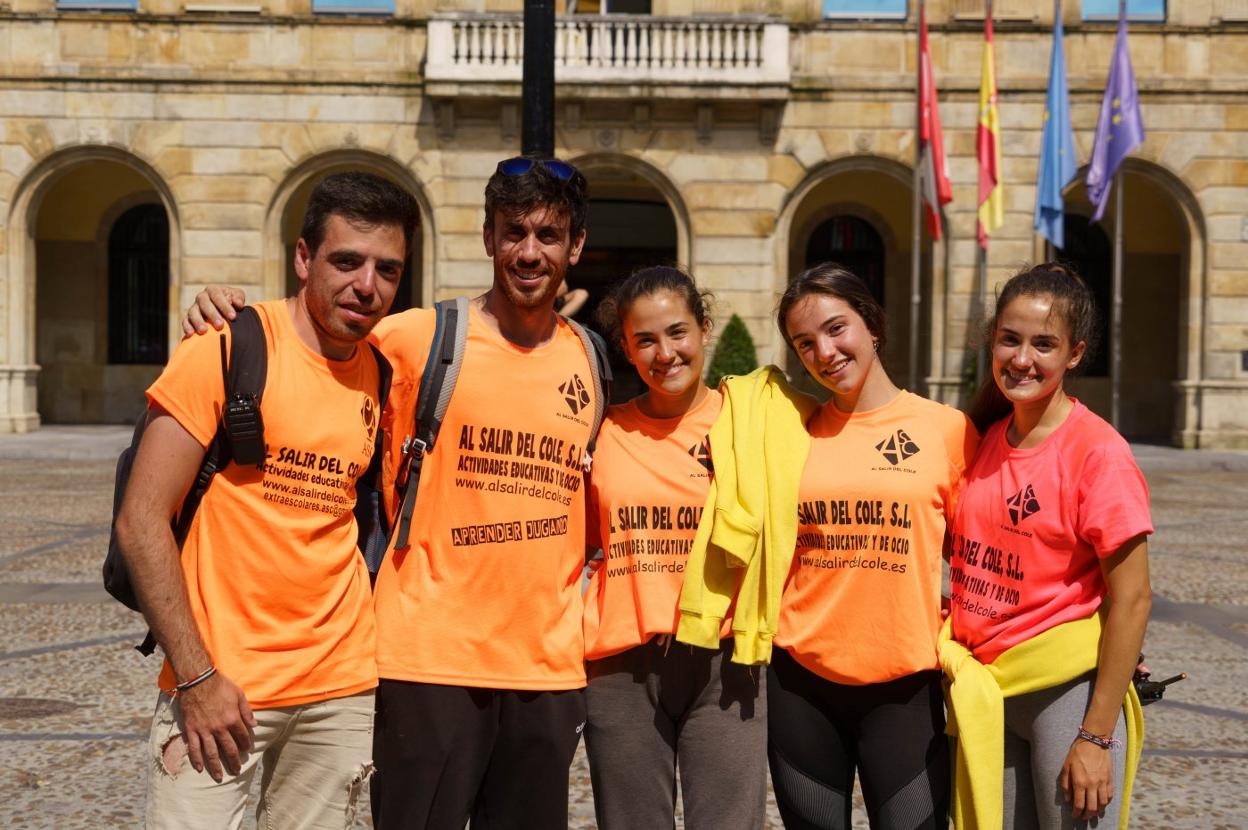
point(479, 630)
point(265, 615)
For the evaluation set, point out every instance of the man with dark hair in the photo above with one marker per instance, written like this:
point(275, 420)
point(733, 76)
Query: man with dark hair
point(479, 641)
point(265, 615)
point(360, 198)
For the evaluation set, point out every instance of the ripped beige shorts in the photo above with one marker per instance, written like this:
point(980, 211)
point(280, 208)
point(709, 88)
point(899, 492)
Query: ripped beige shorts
point(313, 761)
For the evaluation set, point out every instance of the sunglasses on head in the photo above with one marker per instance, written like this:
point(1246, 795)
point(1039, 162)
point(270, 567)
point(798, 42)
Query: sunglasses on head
point(520, 165)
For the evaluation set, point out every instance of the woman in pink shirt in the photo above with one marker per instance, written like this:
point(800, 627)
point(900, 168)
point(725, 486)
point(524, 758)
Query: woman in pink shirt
point(1052, 522)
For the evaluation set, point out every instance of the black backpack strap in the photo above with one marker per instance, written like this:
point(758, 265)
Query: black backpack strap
point(600, 369)
point(370, 513)
point(437, 383)
point(385, 374)
point(245, 374)
point(249, 356)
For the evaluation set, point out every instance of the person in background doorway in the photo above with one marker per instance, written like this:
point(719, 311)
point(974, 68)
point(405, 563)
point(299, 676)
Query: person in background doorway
point(569, 301)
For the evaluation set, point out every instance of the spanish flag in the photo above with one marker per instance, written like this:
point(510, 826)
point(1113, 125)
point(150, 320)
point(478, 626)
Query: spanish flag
point(988, 146)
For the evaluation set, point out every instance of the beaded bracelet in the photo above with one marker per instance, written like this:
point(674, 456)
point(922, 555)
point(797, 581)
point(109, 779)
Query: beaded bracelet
point(192, 683)
point(1103, 743)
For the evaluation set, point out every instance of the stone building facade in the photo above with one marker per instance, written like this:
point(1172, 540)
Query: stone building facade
point(147, 151)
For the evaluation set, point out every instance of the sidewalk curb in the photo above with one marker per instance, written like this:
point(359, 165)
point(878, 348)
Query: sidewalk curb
point(94, 442)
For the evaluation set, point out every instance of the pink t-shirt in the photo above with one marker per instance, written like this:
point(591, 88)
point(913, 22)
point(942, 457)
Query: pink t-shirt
point(1032, 527)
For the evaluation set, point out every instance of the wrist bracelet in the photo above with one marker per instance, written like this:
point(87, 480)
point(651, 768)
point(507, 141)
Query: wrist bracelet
point(1103, 743)
point(192, 683)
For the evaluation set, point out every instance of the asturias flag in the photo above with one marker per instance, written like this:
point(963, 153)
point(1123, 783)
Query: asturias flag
point(933, 171)
point(1120, 128)
point(988, 147)
point(1057, 150)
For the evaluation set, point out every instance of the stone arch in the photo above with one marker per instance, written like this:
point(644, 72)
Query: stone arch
point(626, 193)
point(1189, 426)
point(592, 163)
point(887, 207)
point(1173, 411)
point(276, 263)
point(19, 408)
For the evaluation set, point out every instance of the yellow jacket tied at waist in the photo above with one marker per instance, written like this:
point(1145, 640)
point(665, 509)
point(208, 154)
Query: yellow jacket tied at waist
point(975, 698)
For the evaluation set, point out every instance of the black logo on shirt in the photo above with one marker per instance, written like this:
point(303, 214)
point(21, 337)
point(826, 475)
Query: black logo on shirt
point(1022, 504)
point(701, 453)
point(897, 448)
point(575, 394)
point(368, 412)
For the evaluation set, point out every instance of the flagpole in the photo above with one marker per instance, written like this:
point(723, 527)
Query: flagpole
point(981, 289)
point(981, 313)
point(916, 297)
point(1115, 326)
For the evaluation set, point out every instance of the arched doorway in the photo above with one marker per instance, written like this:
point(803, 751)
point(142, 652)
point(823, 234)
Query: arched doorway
point(1090, 252)
point(632, 224)
point(1155, 242)
point(857, 212)
point(102, 267)
point(291, 201)
point(854, 243)
point(138, 286)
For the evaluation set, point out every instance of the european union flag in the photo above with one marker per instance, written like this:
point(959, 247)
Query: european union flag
point(1120, 128)
point(1057, 150)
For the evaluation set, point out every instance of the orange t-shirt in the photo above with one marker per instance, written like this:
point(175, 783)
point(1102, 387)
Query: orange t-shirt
point(277, 586)
point(862, 601)
point(647, 490)
point(488, 594)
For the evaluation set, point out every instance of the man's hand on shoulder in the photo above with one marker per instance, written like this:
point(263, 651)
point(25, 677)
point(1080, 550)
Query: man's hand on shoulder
point(218, 726)
point(212, 307)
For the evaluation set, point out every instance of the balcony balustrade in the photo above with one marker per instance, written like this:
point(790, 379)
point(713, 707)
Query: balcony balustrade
point(614, 49)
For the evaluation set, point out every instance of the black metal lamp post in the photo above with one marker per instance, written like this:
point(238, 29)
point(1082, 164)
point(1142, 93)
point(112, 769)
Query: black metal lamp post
point(537, 108)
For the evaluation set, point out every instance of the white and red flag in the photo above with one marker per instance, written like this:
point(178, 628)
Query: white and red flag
point(933, 172)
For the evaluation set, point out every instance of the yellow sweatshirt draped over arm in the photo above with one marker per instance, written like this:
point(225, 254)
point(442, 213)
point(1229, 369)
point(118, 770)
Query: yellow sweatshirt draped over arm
point(748, 533)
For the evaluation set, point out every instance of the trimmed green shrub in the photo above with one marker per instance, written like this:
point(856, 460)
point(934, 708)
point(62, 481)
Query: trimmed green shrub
point(734, 353)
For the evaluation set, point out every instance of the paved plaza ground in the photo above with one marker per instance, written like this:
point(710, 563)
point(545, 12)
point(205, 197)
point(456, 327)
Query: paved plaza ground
point(75, 698)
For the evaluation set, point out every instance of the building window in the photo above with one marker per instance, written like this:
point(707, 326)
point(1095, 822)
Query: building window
point(353, 6)
point(607, 7)
point(138, 286)
point(99, 5)
point(859, 9)
point(853, 243)
point(1146, 10)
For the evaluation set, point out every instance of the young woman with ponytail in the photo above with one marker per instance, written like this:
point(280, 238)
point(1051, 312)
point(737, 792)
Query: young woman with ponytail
point(658, 708)
point(1048, 579)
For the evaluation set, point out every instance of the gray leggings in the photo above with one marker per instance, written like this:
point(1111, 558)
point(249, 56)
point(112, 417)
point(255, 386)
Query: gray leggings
point(659, 707)
point(1039, 729)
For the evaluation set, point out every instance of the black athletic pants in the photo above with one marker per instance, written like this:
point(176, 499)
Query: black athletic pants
point(819, 732)
point(445, 754)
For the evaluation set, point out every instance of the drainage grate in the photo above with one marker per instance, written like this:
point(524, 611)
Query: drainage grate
point(33, 707)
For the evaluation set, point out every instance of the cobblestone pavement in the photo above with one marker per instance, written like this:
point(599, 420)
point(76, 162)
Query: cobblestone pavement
point(75, 698)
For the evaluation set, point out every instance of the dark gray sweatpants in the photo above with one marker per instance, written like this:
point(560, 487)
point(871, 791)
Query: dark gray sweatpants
point(661, 707)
